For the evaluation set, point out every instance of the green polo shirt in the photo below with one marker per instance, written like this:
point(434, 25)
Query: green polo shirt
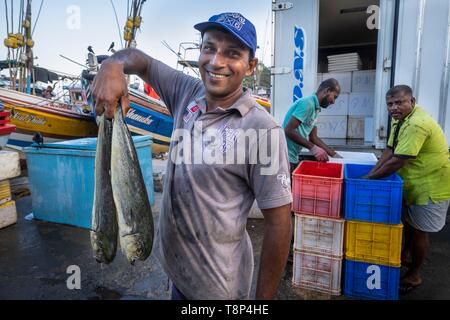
point(306, 110)
point(426, 174)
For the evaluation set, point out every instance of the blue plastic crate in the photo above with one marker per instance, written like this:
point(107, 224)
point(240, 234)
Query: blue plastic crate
point(371, 281)
point(378, 201)
point(62, 179)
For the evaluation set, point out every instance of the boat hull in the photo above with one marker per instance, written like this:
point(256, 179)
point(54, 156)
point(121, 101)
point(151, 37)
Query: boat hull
point(33, 114)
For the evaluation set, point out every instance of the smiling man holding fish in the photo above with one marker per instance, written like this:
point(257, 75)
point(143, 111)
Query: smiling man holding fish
point(202, 240)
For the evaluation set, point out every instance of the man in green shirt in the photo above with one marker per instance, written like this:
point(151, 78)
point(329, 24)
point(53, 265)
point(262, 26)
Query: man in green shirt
point(300, 123)
point(418, 151)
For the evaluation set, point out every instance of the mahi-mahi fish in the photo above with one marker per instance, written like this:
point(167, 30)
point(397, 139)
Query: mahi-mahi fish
point(104, 221)
point(134, 213)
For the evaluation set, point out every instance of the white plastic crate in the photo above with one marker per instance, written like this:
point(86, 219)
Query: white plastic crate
point(319, 235)
point(318, 273)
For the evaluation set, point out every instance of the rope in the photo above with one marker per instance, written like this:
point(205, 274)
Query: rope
point(12, 16)
point(117, 21)
point(37, 19)
point(20, 16)
point(7, 21)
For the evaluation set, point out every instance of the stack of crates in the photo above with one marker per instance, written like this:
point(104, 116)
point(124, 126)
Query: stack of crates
point(373, 237)
point(319, 229)
point(9, 168)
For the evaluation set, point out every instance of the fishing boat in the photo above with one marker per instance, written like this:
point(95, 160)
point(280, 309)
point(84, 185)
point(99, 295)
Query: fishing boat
point(54, 120)
point(71, 114)
point(6, 128)
point(148, 116)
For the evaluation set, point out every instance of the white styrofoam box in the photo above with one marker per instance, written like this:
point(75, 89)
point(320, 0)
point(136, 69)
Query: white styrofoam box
point(317, 272)
point(355, 157)
point(355, 127)
point(332, 127)
point(368, 129)
point(344, 79)
point(9, 165)
point(8, 214)
point(319, 235)
point(363, 81)
point(361, 104)
point(339, 108)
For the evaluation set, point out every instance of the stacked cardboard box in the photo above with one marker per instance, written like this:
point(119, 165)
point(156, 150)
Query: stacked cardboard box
point(352, 113)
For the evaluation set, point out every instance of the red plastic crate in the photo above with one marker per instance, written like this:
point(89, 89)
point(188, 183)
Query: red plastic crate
point(317, 189)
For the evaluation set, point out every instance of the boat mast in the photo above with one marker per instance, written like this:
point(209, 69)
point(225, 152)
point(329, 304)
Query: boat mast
point(29, 44)
point(133, 23)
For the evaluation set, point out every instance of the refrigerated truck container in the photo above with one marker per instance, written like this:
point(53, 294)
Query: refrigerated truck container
point(403, 41)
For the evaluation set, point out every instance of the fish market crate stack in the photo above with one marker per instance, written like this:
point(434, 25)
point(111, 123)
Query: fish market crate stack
point(319, 230)
point(9, 168)
point(373, 234)
point(62, 174)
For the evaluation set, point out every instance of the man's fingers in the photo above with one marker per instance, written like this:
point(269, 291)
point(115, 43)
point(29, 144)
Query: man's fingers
point(110, 109)
point(99, 109)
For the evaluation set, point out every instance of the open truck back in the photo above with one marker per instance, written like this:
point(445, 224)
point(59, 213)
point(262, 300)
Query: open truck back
point(397, 42)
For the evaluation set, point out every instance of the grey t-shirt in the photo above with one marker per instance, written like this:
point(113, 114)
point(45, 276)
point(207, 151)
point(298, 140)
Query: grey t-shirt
point(202, 241)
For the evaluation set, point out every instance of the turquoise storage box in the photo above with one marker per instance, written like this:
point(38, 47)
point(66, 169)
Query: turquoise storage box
point(61, 178)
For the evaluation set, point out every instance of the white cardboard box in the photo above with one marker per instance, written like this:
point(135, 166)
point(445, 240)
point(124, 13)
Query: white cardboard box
point(361, 104)
point(332, 127)
point(363, 81)
point(344, 79)
point(368, 129)
point(8, 214)
point(9, 165)
point(355, 127)
point(340, 108)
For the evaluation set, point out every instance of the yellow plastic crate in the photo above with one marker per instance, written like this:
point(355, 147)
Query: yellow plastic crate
point(373, 243)
point(5, 192)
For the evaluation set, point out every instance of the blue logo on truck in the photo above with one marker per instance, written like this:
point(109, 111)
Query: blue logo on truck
point(299, 58)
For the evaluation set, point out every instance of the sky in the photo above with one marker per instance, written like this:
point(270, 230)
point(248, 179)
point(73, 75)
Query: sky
point(68, 27)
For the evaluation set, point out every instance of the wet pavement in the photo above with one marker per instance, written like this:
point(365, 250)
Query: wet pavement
point(35, 255)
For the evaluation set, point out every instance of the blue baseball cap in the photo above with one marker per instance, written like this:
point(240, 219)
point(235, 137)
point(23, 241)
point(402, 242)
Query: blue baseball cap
point(236, 24)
